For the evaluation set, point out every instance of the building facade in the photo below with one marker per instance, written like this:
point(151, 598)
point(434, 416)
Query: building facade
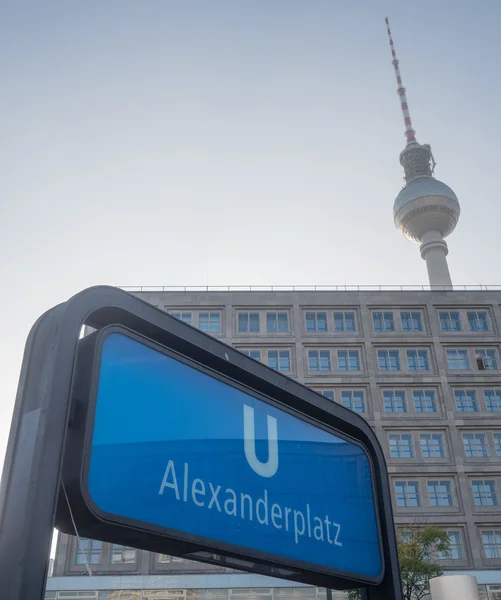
point(422, 367)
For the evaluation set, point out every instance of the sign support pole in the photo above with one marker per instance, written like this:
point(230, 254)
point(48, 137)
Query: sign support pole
point(30, 480)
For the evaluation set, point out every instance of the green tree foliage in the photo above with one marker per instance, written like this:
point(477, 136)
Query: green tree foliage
point(418, 550)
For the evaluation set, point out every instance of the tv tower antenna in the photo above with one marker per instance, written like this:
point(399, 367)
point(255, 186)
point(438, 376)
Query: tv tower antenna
point(410, 134)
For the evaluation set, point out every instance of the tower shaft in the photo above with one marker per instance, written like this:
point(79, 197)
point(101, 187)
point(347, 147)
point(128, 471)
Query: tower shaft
point(426, 210)
point(434, 251)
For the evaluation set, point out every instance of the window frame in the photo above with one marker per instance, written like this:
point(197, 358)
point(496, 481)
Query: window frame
point(353, 401)
point(418, 359)
point(89, 551)
point(315, 320)
point(279, 351)
point(460, 361)
point(440, 494)
point(389, 397)
point(425, 400)
point(491, 494)
point(412, 319)
point(460, 545)
point(432, 436)
point(277, 330)
point(497, 539)
point(411, 446)
point(407, 495)
point(463, 403)
point(448, 321)
point(249, 314)
point(348, 360)
point(383, 317)
point(114, 548)
point(326, 360)
point(389, 360)
point(484, 447)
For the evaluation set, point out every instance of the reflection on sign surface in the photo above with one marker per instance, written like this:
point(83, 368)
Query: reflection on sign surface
point(176, 448)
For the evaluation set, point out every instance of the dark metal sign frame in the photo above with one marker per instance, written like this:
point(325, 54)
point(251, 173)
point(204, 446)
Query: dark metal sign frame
point(41, 438)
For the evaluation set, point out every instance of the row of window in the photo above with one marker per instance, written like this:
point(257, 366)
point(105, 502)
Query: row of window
point(417, 400)
point(489, 592)
point(432, 444)
point(335, 321)
point(411, 360)
point(440, 493)
point(407, 494)
point(288, 593)
point(89, 551)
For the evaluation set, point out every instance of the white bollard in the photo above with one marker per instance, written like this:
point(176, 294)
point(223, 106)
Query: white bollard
point(454, 587)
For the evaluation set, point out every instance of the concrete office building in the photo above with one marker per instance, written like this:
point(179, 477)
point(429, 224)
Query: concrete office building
point(423, 366)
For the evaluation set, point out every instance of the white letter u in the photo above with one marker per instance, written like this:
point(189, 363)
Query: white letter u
point(268, 468)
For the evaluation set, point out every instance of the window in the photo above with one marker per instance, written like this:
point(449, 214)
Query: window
point(484, 492)
point(418, 360)
point(494, 592)
point(87, 552)
point(432, 445)
point(477, 320)
point(388, 360)
point(348, 360)
point(344, 321)
point(383, 321)
point(122, 554)
point(466, 400)
point(86, 595)
point(316, 321)
point(394, 401)
point(209, 322)
point(248, 322)
point(255, 354)
point(458, 360)
point(493, 400)
point(354, 400)
point(279, 360)
point(450, 321)
point(401, 445)
point(424, 401)
point(475, 444)
point(491, 541)
point(455, 547)
point(407, 493)
point(319, 360)
point(411, 321)
point(486, 359)
point(329, 394)
point(440, 493)
point(182, 316)
point(277, 321)
point(167, 559)
point(497, 443)
point(119, 594)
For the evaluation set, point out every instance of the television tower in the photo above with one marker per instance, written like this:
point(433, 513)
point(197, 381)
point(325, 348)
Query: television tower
point(426, 210)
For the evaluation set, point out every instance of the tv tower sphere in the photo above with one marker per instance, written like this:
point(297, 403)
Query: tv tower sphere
point(426, 204)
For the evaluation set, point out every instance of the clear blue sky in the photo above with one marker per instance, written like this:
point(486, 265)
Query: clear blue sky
point(233, 142)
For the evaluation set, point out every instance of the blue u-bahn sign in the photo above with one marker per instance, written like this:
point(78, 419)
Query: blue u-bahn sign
point(149, 433)
point(180, 449)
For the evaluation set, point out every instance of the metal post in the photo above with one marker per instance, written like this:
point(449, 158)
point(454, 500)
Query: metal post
point(30, 479)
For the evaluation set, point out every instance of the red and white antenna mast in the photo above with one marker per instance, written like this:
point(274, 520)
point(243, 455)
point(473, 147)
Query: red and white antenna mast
point(410, 134)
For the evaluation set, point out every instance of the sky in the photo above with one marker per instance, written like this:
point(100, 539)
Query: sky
point(233, 142)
